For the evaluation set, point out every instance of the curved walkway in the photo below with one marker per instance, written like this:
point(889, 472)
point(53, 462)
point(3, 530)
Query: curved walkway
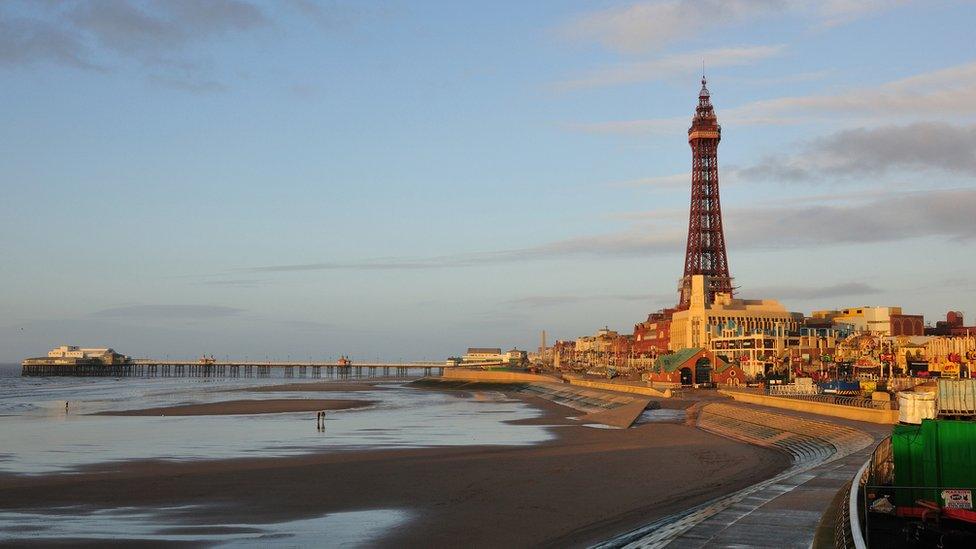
point(783, 511)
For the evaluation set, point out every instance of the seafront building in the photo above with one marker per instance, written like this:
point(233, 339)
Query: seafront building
point(494, 355)
point(70, 355)
point(953, 325)
point(653, 336)
point(483, 354)
point(598, 348)
point(885, 321)
point(727, 316)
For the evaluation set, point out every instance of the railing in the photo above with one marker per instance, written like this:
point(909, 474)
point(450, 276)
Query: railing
point(792, 389)
point(851, 528)
point(856, 402)
point(881, 471)
point(874, 496)
point(743, 389)
point(848, 530)
point(785, 391)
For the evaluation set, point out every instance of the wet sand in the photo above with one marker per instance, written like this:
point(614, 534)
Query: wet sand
point(583, 486)
point(312, 387)
point(234, 407)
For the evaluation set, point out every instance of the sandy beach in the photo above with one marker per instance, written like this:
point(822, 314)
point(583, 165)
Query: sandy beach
point(582, 486)
point(234, 407)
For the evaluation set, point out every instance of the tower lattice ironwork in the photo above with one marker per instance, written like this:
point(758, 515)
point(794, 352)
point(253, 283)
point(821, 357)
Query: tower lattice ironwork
point(705, 254)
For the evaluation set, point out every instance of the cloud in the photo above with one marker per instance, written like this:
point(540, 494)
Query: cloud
point(731, 175)
point(901, 216)
point(29, 42)
point(305, 91)
point(839, 12)
point(670, 126)
point(331, 17)
point(658, 181)
point(612, 244)
point(235, 282)
point(890, 217)
point(161, 36)
point(663, 67)
point(648, 26)
point(844, 289)
point(158, 27)
point(187, 84)
point(875, 151)
point(168, 312)
point(652, 25)
point(545, 300)
point(942, 94)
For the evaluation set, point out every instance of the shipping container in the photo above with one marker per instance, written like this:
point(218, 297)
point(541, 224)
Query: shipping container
point(907, 446)
point(957, 397)
point(938, 455)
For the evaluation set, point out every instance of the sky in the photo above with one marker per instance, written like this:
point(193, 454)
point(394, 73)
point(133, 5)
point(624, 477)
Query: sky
point(403, 180)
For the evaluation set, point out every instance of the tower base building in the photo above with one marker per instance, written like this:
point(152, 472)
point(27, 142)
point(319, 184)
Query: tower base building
point(726, 316)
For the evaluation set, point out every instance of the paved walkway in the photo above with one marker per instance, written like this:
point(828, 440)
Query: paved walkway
point(783, 511)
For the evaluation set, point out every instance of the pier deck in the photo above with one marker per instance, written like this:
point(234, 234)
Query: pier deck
point(233, 369)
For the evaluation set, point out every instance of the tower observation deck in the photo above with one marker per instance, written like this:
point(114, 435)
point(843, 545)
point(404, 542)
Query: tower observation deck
point(705, 254)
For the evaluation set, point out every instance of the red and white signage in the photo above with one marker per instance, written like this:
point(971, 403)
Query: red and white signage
point(958, 499)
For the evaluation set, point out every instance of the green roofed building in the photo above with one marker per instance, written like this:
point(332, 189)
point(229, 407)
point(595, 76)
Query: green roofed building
point(694, 366)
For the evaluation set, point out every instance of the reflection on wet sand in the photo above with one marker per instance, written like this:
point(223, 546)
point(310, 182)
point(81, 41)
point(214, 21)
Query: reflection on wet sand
point(40, 437)
point(129, 524)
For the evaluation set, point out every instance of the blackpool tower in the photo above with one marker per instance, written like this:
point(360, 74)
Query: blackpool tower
point(705, 254)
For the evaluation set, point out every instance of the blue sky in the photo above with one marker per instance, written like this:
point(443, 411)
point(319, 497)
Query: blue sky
point(407, 179)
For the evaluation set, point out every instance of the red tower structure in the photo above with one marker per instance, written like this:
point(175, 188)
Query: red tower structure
point(705, 254)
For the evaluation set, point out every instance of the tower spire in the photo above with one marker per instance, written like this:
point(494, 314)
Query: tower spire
point(705, 254)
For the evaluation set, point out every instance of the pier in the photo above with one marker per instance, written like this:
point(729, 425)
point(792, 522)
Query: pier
point(232, 369)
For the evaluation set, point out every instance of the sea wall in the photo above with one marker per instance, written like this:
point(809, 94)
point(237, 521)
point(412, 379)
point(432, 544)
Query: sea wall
point(619, 387)
point(498, 376)
point(870, 415)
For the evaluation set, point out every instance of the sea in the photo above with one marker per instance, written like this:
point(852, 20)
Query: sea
point(38, 436)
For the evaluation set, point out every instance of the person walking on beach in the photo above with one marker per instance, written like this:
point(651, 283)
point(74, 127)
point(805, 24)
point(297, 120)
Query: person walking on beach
point(66, 406)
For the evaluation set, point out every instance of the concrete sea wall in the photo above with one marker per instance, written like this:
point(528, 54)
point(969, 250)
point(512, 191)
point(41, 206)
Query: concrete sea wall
point(870, 415)
point(619, 387)
point(497, 376)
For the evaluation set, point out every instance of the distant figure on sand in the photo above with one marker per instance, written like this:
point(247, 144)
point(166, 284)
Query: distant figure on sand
point(66, 406)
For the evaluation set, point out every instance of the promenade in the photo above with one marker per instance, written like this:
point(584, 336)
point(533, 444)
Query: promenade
point(786, 510)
